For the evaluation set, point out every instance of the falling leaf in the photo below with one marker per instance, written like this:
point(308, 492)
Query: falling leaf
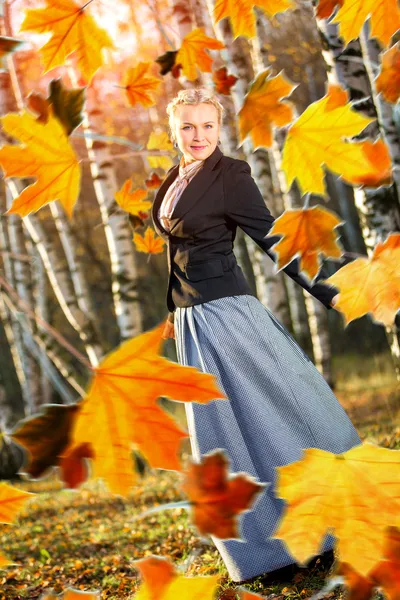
point(140, 85)
point(388, 80)
point(371, 285)
point(217, 500)
point(12, 501)
point(167, 62)
point(242, 16)
point(325, 8)
point(307, 234)
point(67, 104)
point(384, 18)
point(192, 53)
point(153, 182)
point(223, 81)
point(45, 436)
point(160, 141)
point(355, 493)
point(160, 582)
point(262, 107)
point(120, 410)
point(73, 468)
point(72, 30)
point(132, 202)
point(148, 243)
point(47, 155)
point(317, 137)
point(9, 45)
point(380, 169)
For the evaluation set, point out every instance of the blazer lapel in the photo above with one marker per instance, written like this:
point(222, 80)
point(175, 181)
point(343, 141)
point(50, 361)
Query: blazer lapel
point(192, 193)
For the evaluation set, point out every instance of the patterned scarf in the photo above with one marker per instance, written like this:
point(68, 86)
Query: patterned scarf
point(175, 190)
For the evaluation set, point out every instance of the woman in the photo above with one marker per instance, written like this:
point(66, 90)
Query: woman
point(278, 403)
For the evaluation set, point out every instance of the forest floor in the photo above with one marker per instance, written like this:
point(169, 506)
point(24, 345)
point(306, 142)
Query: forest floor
point(88, 539)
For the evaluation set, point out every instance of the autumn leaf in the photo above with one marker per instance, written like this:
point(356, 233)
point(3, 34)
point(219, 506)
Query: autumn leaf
point(380, 169)
point(317, 138)
point(216, 499)
point(120, 410)
point(153, 182)
point(307, 234)
point(132, 202)
point(223, 81)
point(242, 16)
point(140, 85)
point(12, 501)
point(388, 80)
point(148, 243)
point(9, 45)
point(371, 285)
point(160, 141)
point(262, 107)
point(45, 154)
point(45, 436)
point(325, 8)
point(73, 467)
point(384, 18)
point(71, 594)
point(192, 53)
point(355, 493)
point(386, 574)
point(72, 29)
point(161, 582)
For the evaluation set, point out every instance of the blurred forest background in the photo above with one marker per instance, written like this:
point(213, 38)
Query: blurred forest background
point(85, 277)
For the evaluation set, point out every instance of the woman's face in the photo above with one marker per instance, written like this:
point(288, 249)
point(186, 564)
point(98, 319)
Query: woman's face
point(196, 130)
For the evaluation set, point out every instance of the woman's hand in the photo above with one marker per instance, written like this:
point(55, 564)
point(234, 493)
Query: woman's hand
point(168, 331)
point(334, 300)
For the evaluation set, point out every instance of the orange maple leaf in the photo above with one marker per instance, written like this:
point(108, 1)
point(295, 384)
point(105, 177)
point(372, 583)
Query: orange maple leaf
point(371, 285)
point(72, 30)
point(388, 80)
point(386, 574)
point(325, 8)
point(318, 137)
point(153, 182)
point(217, 500)
point(263, 106)
point(384, 18)
point(380, 171)
point(161, 582)
point(192, 53)
point(223, 81)
point(242, 16)
point(149, 243)
point(307, 233)
point(140, 85)
point(120, 409)
point(132, 202)
point(356, 494)
point(46, 154)
point(73, 467)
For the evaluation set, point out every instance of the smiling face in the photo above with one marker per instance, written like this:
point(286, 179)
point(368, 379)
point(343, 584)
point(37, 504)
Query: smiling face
point(196, 130)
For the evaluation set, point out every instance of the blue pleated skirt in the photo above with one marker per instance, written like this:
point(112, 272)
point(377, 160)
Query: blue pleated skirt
point(279, 404)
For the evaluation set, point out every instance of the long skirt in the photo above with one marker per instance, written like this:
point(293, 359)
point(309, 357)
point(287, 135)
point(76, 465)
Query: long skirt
point(278, 404)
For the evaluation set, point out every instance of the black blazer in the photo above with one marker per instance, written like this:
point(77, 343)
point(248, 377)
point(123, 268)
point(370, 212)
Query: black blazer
point(201, 262)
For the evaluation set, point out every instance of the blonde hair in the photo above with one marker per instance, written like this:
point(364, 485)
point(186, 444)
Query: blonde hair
point(192, 96)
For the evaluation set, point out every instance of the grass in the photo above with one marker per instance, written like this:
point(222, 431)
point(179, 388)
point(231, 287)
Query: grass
point(89, 539)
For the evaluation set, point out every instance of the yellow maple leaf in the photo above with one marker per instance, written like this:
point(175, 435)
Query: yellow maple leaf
point(263, 106)
point(148, 243)
point(12, 500)
point(161, 582)
point(120, 411)
point(384, 18)
point(46, 154)
point(307, 233)
point(388, 80)
point(355, 493)
point(160, 141)
point(242, 16)
point(192, 53)
point(140, 85)
point(132, 202)
point(371, 285)
point(72, 30)
point(317, 138)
